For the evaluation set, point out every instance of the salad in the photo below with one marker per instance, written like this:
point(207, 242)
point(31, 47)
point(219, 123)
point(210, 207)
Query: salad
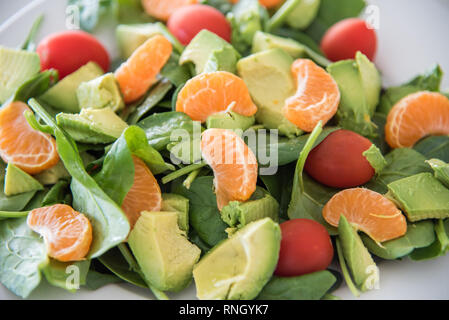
point(247, 147)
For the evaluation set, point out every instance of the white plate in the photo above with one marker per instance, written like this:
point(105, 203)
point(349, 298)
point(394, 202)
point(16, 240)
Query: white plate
point(412, 36)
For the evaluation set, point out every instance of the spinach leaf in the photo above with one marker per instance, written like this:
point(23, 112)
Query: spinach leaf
point(29, 44)
point(438, 248)
point(96, 280)
point(59, 274)
point(59, 193)
point(223, 5)
point(90, 11)
point(380, 120)
point(429, 81)
point(159, 126)
point(22, 255)
point(434, 147)
point(130, 11)
point(173, 71)
point(203, 212)
point(109, 223)
point(401, 163)
point(312, 286)
point(332, 11)
point(420, 234)
point(308, 196)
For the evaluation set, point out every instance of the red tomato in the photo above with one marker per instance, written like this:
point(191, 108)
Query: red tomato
point(67, 51)
point(338, 160)
point(306, 247)
point(187, 21)
point(348, 36)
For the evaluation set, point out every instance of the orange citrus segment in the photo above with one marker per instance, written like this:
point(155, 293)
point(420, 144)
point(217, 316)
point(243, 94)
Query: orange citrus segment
point(210, 93)
point(163, 9)
point(144, 195)
point(367, 211)
point(29, 149)
point(67, 233)
point(233, 163)
point(138, 73)
point(316, 98)
point(416, 116)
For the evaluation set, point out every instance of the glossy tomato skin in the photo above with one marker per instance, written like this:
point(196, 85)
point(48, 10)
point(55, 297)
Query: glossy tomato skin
point(187, 21)
point(338, 160)
point(346, 37)
point(67, 51)
point(306, 247)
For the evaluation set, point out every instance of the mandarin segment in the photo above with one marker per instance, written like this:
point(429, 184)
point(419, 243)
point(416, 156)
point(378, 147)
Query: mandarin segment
point(233, 163)
point(317, 96)
point(144, 195)
point(163, 9)
point(416, 116)
point(29, 149)
point(67, 233)
point(136, 75)
point(210, 93)
point(367, 211)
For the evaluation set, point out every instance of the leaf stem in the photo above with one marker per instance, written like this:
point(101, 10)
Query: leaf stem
point(190, 178)
point(442, 236)
point(345, 271)
point(29, 44)
point(183, 171)
point(281, 14)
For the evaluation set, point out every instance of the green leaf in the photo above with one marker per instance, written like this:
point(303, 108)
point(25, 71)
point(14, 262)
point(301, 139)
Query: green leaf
point(204, 214)
point(308, 196)
point(96, 280)
point(29, 44)
point(66, 275)
point(282, 14)
point(22, 255)
point(434, 147)
point(438, 248)
point(130, 11)
point(59, 193)
point(379, 121)
point(245, 19)
point(441, 170)
point(109, 223)
point(90, 11)
point(312, 286)
point(159, 127)
point(177, 74)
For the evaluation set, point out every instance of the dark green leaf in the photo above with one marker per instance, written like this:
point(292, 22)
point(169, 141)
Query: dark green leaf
point(57, 194)
point(438, 248)
point(434, 147)
point(95, 280)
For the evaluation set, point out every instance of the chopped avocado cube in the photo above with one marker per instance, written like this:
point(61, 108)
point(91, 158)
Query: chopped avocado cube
point(209, 53)
point(92, 125)
point(53, 175)
point(62, 96)
point(17, 67)
point(303, 14)
point(421, 196)
point(259, 206)
point(359, 84)
point(229, 120)
point(246, 19)
point(363, 269)
point(101, 92)
point(175, 203)
point(239, 267)
point(268, 77)
point(375, 158)
point(441, 170)
point(162, 250)
point(265, 41)
point(131, 36)
point(419, 235)
point(18, 181)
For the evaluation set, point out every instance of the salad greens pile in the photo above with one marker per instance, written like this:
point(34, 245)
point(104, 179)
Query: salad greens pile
point(97, 136)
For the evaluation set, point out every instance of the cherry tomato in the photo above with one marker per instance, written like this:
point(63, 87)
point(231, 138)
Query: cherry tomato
point(348, 36)
point(305, 247)
point(67, 51)
point(187, 21)
point(338, 160)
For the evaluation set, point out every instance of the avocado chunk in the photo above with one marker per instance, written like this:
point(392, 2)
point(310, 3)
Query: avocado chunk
point(239, 267)
point(62, 96)
point(420, 196)
point(268, 77)
point(375, 158)
point(259, 206)
point(441, 170)
point(419, 235)
point(209, 53)
point(162, 250)
point(101, 92)
point(92, 125)
point(131, 36)
point(359, 84)
point(175, 203)
point(303, 14)
point(363, 269)
point(18, 181)
point(18, 66)
point(265, 41)
point(230, 120)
